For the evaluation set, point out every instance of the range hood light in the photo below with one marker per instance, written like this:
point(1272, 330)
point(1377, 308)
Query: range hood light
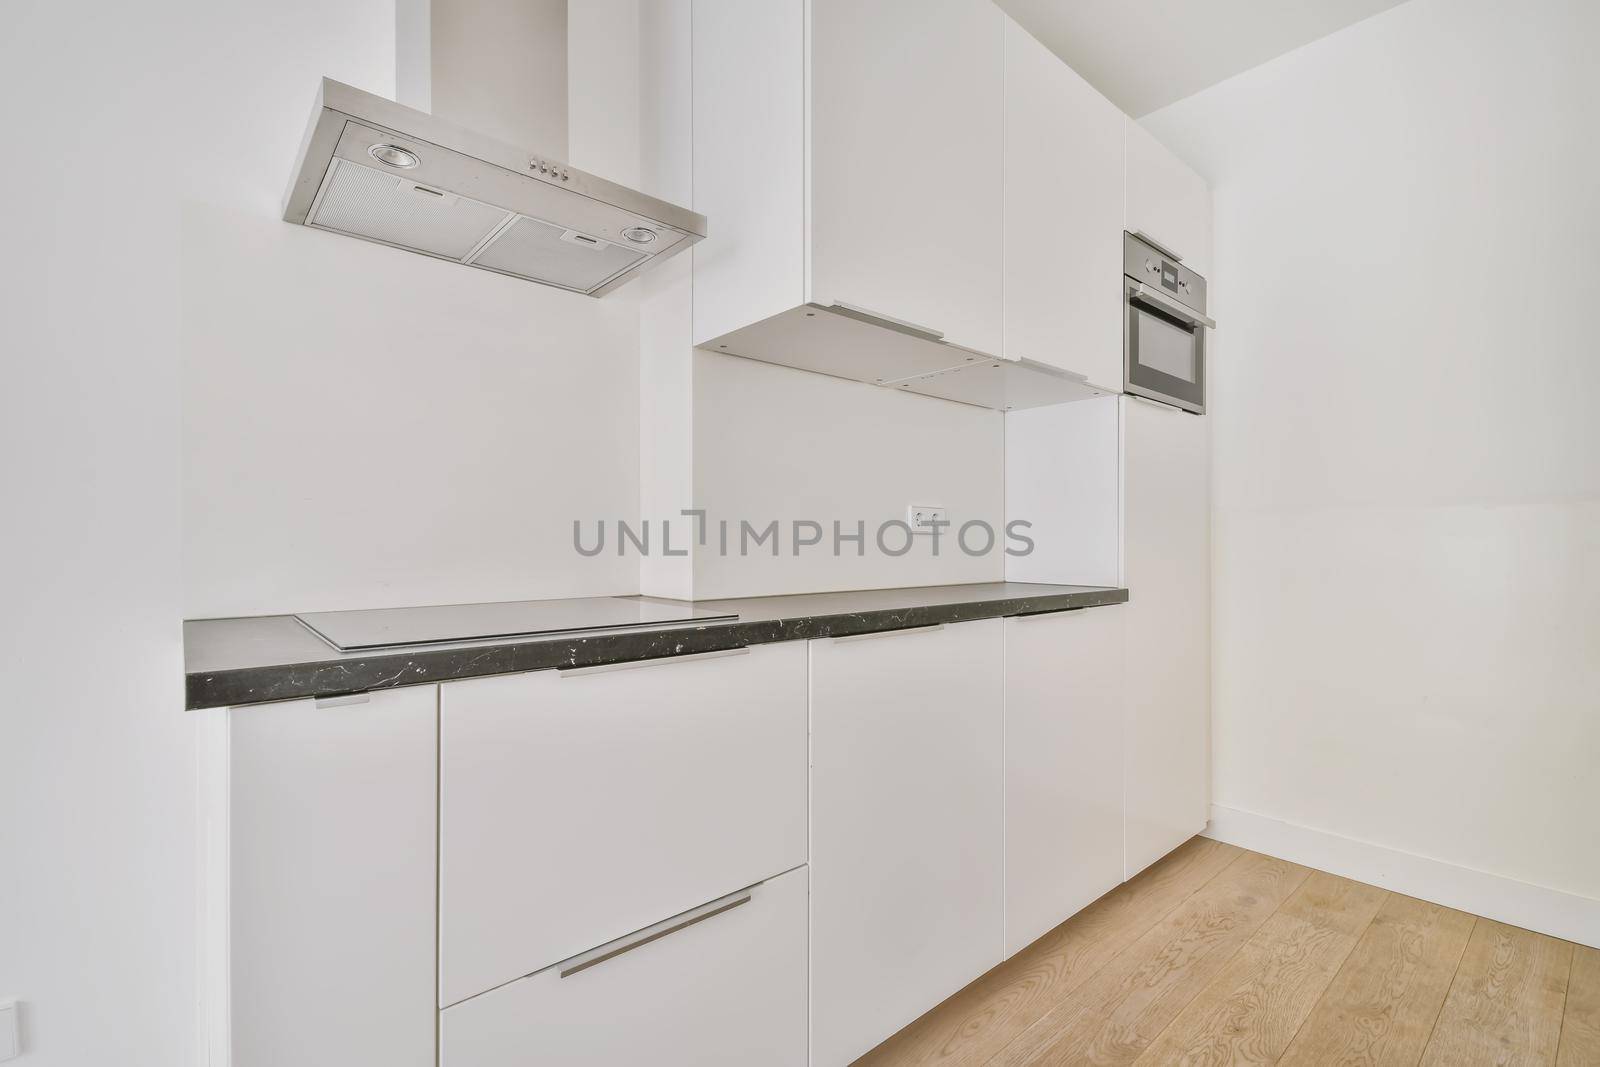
point(392, 155)
point(639, 235)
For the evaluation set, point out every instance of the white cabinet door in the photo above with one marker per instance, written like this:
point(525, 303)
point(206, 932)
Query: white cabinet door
point(331, 865)
point(906, 895)
point(1167, 200)
point(1167, 571)
point(1063, 216)
point(906, 146)
point(578, 807)
point(725, 990)
point(749, 161)
point(1063, 766)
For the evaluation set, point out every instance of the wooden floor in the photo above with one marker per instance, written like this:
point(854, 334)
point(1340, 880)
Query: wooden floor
point(1217, 955)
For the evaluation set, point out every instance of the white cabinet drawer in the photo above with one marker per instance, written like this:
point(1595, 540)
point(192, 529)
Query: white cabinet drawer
point(576, 808)
point(728, 989)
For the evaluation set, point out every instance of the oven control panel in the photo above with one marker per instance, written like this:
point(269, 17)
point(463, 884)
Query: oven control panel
point(1145, 263)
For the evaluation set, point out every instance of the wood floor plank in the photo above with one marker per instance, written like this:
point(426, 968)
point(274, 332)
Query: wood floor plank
point(1506, 1002)
point(1580, 1025)
point(1380, 1008)
point(1117, 1013)
point(974, 1024)
point(1251, 1010)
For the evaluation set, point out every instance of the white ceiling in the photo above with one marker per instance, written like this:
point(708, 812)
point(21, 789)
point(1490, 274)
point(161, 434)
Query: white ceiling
point(1145, 54)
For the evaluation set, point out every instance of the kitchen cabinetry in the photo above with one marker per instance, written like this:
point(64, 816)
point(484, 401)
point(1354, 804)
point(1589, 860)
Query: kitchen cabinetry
point(1063, 215)
point(723, 986)
point(1063, 766)
point(1166, 560)
point(1166, 200)
point(580, 806)
point(854, 158)
point(906, 868)
point(330, 810)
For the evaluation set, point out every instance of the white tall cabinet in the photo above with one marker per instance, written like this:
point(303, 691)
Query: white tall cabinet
point(906, 824)
point(1166, 548)
point(1166, 200)
point(1063, 216)
point(1166, 560)
point(850, 153)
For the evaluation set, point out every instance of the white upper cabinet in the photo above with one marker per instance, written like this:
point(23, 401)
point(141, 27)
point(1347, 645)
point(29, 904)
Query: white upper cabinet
point(850, 153)
point(906, 904)
point(906, 156)
point(1167, 201)
point(1063, 216)
point(1166, 559)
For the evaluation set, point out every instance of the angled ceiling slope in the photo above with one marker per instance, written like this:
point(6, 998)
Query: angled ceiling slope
point(1146, 55)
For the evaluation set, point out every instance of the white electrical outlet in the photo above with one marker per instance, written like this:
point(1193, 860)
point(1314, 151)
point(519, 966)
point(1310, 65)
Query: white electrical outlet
point(10, 1043)
point(922, 517)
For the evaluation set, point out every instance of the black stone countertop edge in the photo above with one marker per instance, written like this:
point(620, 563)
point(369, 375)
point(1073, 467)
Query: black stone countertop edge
point(337, 674)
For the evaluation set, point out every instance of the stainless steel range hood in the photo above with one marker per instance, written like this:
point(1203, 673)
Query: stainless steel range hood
point(378, 170)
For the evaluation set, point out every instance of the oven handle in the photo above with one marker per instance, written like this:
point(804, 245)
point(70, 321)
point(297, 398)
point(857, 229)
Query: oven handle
point(1167, 304)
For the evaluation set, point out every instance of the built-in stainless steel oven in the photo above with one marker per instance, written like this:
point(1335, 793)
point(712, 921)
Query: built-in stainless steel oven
point(1164, 332)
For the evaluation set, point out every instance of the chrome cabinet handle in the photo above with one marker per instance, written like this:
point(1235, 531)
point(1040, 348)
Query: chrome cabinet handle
point(653, 661)
point(1157, 404)
point(612, 949)
point(1158, 246)
point(890, 633)
point(343, 701)
point(855, 311)
point(1045, 614)
point(1166, 303)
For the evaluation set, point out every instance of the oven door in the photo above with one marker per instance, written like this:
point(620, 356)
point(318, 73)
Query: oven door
point(1164, 350)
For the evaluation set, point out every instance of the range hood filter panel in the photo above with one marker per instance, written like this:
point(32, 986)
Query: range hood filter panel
point(366, 202)
point(536, 250)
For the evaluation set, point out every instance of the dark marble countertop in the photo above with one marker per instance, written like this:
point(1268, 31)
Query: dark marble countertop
point(274, 657)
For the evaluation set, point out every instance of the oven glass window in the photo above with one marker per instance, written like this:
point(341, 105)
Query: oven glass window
point(1166, 348)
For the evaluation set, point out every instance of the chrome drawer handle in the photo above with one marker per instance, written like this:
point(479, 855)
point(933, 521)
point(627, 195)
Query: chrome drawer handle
point(890, 633)
point(653, 661)
point(611, 950)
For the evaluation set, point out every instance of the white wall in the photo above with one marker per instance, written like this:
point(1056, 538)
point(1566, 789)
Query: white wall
point(96, 753)
point(777, 443)
point(329, 422)
point(369, 427)
point(1407, 459)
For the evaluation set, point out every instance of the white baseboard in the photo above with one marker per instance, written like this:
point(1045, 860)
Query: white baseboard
point(1532, 907)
